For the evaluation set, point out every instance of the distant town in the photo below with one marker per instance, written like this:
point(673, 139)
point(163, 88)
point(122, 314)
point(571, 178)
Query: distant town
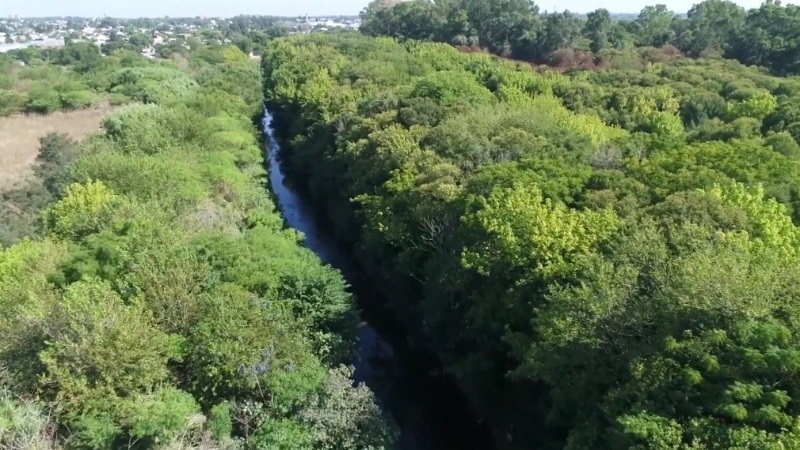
point(150, 34)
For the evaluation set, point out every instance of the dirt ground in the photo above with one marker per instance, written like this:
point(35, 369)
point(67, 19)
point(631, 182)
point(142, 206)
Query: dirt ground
point(19, 137)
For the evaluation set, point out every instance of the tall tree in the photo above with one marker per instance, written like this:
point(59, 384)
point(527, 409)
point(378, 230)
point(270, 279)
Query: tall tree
point(501, 24)
point(711, 25)
point(654, 25)
point(770, 37)
point(620, 38)
point(561, 30)
point(597, 29)
point(371, 17)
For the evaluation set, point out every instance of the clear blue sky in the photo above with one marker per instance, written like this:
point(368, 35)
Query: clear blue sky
point(176, 8)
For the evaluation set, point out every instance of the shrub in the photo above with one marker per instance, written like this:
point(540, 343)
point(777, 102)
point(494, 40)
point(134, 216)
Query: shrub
point(77, 99)
point(43, 100)
point(24, 425)
point(84, 209)
point(118, 99)
point(219, 422)
point(168, 91)
point(56, 150)
point(134, 82)
point(161, 416)
point(11, 102)
point(93, 431)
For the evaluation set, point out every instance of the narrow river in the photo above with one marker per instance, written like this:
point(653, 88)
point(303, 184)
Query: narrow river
point(430, 411)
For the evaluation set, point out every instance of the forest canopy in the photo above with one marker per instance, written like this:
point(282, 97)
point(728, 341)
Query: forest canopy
point(151, 296)
point(591, 223)
point(766, 36)
point(602, 258)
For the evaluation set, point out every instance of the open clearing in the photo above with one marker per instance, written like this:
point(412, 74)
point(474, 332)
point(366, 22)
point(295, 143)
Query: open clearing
point(19, 137)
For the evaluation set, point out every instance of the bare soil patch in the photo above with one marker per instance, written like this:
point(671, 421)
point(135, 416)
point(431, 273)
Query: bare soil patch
point(19, 137)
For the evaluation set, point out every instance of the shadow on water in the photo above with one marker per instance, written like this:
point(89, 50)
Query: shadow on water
point(431, 412)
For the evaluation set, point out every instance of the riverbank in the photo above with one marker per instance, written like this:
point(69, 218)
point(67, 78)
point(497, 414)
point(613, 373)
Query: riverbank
point(425, 402)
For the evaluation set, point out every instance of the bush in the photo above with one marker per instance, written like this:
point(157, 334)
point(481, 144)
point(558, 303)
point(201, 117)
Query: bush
point(219, 422)
point(345, 417)
point(93, 431)
point(84, 209)
point(24, 425)
point(118, 99)
point(167, 91)
point(234, 78)
point(77, 99)
point(43, 100)
point(136, 81)
point(149, 299)
point(169, 178)
point(56, 150)
point(161, 416)
point(11, 102)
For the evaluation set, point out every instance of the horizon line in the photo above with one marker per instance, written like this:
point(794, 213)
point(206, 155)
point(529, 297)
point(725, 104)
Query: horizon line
point(196, 16)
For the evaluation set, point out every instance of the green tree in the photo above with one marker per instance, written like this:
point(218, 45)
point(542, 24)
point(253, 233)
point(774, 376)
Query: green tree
point(543, 254)
point(406, 20)
point(11, 102)
point(757, 105)
point(43, 99)
point(374, 14)
point(767, 38)
point(711, 24)
point(101, 350)
point(84, 209)
point(653, 26)
point(597, 29)
point(504, 24)
point(83, 57)
point(621, 38)
point(561, 30)
point(56, 150)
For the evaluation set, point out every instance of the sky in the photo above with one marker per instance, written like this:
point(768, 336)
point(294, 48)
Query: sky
point(226, 8)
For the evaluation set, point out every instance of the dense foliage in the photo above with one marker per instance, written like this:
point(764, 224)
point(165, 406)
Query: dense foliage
point(76, 76)
point(165, 305)
point(767, 36)
point(28, 84)
point(602, 259)
point(34, 80)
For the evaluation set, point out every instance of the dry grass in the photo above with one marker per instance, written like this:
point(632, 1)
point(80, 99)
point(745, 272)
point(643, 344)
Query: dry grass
point(19, 137)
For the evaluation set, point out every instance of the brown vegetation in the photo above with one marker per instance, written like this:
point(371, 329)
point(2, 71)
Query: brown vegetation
point(471, 49)
point(568, 59)
point(19, 137)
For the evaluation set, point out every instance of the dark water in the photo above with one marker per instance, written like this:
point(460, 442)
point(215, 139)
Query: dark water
point(430, 411)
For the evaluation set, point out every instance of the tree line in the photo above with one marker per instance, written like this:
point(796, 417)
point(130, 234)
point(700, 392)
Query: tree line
point(766, 36)
point(81, 74)
point(157, 300)
point(601, 259)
